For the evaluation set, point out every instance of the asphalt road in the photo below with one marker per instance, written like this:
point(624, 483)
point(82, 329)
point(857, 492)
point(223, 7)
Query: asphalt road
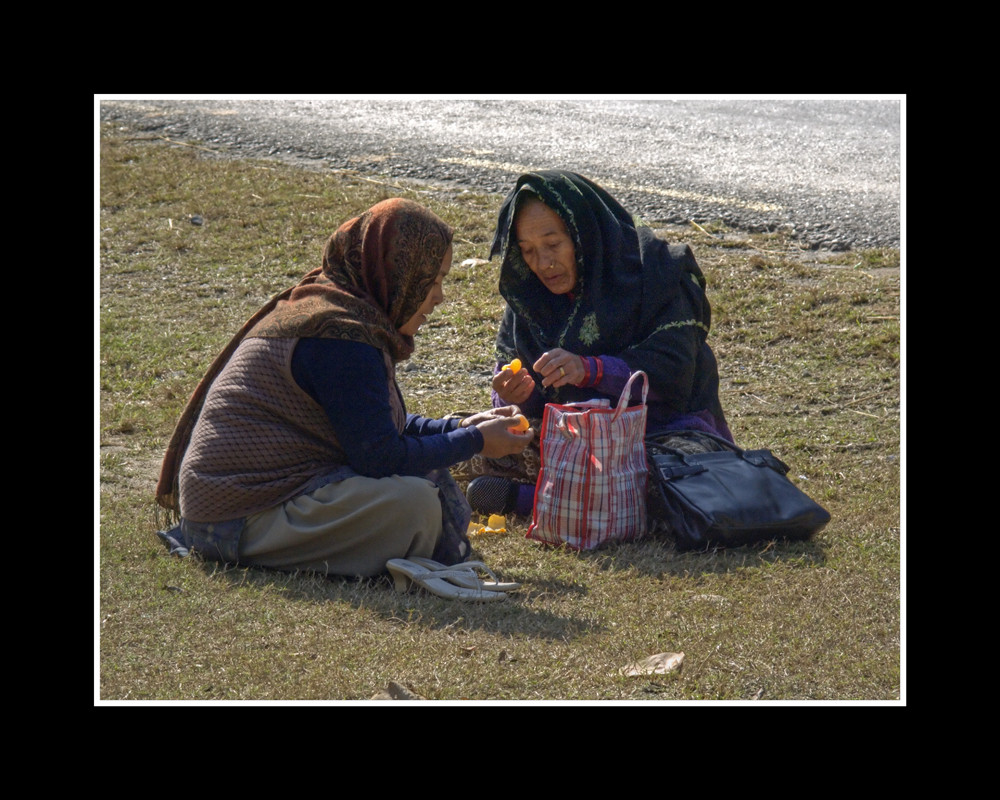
point(826, 169)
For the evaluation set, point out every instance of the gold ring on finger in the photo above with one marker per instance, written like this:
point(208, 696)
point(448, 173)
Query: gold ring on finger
point(562, 372)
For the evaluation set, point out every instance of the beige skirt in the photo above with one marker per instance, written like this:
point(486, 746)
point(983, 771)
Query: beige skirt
point(349, 527)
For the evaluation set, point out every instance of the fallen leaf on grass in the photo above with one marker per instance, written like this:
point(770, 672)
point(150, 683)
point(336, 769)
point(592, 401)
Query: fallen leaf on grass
point(659, 664)
point(396, 691)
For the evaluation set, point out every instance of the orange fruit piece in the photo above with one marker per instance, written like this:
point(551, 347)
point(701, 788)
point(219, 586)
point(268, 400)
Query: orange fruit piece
point(497, 523)
point(521, 423)
point(514, 366)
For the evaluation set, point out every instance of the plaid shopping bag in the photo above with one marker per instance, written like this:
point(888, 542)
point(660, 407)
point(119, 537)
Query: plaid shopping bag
point(591, 487)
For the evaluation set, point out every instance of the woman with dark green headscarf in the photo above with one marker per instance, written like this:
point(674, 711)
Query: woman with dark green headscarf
point(592, 296)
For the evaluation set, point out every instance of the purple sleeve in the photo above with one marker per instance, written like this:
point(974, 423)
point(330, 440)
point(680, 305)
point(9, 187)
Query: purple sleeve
point(616, 375)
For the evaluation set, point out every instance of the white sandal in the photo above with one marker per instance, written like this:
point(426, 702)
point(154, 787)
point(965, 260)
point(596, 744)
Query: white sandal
point(406, 575)
point(464, 574)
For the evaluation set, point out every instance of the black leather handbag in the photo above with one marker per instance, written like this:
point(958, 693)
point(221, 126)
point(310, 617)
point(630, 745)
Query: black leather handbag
point(728, 498)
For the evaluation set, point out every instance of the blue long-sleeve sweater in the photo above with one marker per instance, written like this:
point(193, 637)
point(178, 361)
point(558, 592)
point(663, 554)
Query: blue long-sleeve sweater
point(348, 379)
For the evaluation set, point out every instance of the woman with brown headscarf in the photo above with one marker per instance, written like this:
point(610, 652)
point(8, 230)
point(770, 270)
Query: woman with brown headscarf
point(296, 451)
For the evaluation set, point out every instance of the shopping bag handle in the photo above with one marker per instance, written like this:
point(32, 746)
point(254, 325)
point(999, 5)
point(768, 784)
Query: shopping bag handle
point(623, 401)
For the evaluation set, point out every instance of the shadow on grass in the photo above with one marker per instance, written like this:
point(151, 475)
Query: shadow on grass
point(527, 612)
point(512, 616)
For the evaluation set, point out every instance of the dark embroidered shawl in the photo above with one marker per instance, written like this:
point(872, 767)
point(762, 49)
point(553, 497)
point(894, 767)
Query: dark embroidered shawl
point(637, 298)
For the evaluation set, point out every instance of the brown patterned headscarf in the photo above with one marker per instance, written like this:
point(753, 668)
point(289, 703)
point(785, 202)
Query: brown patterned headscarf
point(377, 270)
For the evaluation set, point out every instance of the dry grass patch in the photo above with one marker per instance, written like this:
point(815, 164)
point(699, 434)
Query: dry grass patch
point(809, 351)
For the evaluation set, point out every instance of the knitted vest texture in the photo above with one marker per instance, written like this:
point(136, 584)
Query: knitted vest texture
point(259, 440)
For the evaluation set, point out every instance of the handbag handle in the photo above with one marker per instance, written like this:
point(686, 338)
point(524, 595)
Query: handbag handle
point(759, 458)
point(623, 401)
point(765, 458)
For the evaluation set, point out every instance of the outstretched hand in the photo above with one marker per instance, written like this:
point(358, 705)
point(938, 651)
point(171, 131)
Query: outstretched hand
point(505, 412)
point(498, 437)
